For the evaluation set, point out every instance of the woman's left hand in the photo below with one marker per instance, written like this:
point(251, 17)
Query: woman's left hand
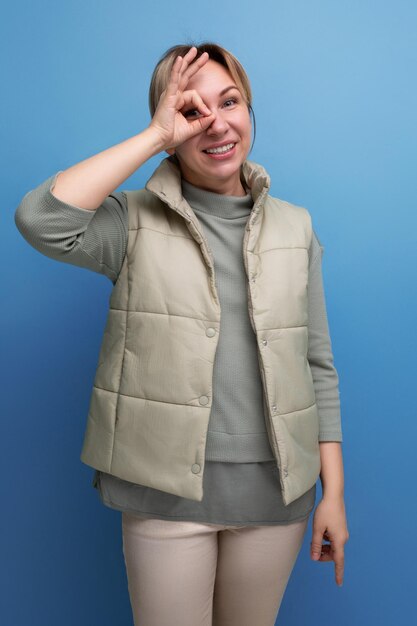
point(329, 524)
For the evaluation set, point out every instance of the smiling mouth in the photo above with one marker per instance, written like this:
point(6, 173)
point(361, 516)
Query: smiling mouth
point(222, 150)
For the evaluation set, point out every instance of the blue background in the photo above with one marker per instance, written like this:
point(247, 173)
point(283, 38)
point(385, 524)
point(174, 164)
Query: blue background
point(335, 101)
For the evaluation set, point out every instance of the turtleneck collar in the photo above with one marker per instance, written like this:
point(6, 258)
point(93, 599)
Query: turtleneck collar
point(227, 207)
point(165, 183)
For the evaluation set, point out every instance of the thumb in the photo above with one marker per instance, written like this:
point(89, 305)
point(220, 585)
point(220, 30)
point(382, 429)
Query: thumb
point(200, 124)
point(316, 545)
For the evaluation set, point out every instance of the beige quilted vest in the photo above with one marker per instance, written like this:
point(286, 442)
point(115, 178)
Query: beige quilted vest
point(152, 395)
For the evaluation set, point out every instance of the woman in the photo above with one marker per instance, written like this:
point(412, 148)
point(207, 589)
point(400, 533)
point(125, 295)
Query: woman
point(214, 365)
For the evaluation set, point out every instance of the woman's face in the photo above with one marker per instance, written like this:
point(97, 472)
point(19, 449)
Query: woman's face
point(232, 125)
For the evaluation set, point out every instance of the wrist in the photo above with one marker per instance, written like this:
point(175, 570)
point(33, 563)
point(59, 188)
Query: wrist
point(336, 496)
point(155, 138)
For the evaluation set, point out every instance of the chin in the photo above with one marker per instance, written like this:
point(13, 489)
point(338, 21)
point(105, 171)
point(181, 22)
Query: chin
point(214, 171)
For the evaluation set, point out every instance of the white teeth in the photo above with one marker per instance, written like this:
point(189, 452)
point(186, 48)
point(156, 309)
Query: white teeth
point(220, 150)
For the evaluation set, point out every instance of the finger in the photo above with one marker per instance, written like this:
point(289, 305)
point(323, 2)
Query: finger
point(193, 69)
point(339, 560)
point(339, 574)
point(326, 553)
point(178, 67)
point(200, 124)
point(190, 54)
point(192, 99)
point(174, 78)
point(186, 59)
point(316, 544)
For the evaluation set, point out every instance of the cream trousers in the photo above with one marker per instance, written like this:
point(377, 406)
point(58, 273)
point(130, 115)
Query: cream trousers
point(197, 574)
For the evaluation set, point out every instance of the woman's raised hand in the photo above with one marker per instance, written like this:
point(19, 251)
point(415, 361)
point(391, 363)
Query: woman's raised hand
point(170, 124)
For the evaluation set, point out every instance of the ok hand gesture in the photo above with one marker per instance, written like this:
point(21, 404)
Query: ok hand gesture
point(171, 125)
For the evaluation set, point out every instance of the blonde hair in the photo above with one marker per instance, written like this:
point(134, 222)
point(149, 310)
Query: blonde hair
point(162, 71)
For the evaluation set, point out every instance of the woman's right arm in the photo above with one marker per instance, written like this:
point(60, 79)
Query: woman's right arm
point(88, 183)
point(85, 223)
point(94, 240)
point(76, 216)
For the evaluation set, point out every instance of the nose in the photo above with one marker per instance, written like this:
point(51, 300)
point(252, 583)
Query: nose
point(219, 125)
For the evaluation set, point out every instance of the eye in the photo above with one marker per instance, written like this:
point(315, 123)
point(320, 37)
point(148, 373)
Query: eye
point(190, 112)
point(193, 112)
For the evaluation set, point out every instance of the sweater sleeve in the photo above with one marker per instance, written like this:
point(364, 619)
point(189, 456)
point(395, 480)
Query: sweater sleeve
point(95, 240)
point(320, 355)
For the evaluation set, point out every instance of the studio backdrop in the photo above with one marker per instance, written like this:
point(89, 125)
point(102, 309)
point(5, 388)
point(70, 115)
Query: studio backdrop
point(335, 101)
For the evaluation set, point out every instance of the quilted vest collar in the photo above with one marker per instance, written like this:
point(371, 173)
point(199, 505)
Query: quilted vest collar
point(165, 183)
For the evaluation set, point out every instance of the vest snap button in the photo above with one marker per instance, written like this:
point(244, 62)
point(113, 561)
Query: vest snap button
point(285, 472)
point(274, 407)
point(195, 468)
point(203, 400)
point(210, 332)
point(264, 342)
